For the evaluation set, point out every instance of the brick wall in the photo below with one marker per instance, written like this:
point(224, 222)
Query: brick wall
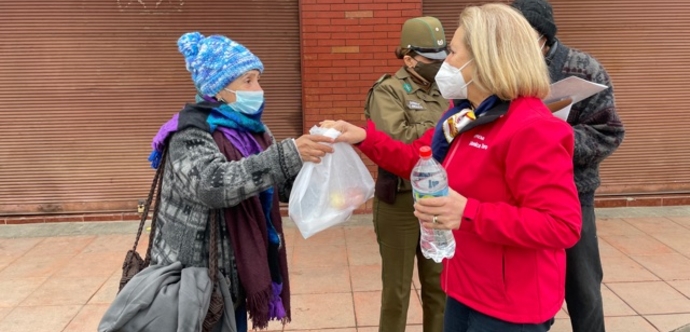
point(346, 46)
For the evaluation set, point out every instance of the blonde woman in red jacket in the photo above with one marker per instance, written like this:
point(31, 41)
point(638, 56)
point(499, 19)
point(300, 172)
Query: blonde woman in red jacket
point(513, 206)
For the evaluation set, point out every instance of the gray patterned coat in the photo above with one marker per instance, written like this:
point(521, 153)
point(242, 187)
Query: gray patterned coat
point(198, 179)
point(598, 129)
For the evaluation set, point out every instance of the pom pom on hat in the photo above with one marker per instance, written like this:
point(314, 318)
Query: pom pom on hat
point(215, 61)
point(188, 44)
point(539, 14)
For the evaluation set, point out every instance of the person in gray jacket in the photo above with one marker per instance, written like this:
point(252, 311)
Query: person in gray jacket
point(222, 157)
point(598, 133)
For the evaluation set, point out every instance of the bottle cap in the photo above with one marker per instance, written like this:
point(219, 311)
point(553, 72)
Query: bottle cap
point(425, 152)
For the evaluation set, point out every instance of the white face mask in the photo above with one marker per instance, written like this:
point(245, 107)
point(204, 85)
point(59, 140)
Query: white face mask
point(450, 81)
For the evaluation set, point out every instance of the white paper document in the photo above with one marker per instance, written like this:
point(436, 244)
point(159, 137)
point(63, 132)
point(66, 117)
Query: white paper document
point(569, 91)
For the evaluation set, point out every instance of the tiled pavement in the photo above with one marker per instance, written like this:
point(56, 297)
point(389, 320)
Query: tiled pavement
point(61, 277)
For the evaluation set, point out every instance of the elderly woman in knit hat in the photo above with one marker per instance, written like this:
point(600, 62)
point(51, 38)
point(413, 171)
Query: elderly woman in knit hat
point(222, 157)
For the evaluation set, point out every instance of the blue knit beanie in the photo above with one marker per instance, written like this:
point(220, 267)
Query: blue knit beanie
point(215, 61)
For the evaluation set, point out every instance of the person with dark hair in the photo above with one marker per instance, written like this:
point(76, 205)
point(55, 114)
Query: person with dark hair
point(598, 133)
point(405, 105)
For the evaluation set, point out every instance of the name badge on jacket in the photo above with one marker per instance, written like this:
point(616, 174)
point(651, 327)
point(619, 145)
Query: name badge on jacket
point(414, 105)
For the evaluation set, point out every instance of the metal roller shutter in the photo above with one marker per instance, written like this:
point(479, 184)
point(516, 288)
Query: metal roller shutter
point(84, 86)
point(447, 11)
point(644, 47)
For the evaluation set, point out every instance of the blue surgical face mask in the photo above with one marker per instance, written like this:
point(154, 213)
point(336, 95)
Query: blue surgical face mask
point(247, 102)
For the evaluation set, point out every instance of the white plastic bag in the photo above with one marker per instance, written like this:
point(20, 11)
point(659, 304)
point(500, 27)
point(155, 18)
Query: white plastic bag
point(325, 194)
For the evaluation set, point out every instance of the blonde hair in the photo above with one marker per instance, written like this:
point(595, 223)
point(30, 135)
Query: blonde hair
point(508, 62)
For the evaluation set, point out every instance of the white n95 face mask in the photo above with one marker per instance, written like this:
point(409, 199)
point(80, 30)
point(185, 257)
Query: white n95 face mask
point(450, 81)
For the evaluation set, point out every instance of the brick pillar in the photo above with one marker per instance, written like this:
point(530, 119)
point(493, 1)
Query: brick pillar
point(346, 46)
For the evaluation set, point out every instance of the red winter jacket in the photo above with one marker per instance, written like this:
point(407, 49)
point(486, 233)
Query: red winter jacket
point(522, 210)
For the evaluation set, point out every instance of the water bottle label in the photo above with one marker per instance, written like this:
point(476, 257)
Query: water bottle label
point(419, 195)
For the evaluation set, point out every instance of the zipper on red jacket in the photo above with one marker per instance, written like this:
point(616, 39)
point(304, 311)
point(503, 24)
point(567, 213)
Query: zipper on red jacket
point(454, 148)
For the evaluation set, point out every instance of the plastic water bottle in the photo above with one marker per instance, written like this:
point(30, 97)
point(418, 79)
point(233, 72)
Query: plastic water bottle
point(429, 179)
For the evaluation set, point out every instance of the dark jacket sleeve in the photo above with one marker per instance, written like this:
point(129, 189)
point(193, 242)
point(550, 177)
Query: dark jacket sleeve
point(598, 129)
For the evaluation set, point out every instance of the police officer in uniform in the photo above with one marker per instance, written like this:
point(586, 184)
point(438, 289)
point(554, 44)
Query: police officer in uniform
point(405, 105)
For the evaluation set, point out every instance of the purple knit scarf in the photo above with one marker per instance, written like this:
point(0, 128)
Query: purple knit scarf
point(247, 145)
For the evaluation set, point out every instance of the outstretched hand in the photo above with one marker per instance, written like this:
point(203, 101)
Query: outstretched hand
point(312, 148)
point(349, 133)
